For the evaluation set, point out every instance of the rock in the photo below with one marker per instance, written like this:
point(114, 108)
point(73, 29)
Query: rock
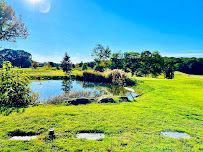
point(124, 98)
point(106, 100)
point(78, 101)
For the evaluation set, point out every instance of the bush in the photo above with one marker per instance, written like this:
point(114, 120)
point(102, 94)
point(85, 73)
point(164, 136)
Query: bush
point(14, 87)
point(118, 77)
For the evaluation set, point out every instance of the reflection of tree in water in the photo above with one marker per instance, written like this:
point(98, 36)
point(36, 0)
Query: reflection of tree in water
point(66, 86)
point(104, 88)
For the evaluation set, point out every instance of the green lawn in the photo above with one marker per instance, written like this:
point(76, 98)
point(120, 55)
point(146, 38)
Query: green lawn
point(43, 71)
point(166, 105)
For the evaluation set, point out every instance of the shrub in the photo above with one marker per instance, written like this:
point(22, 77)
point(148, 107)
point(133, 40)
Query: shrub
point(118, 77)
point(14, 87)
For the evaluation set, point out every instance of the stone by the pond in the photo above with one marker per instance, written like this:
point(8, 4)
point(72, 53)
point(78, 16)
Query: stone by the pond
point(90, 136)
point(23, 137)
point(124, 98)
point(106, 100)
point(78, 101)
point(175, 134)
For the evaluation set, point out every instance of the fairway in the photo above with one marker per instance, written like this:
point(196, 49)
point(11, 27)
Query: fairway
point(166, 105)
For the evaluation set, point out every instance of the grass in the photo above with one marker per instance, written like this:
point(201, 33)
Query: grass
point(175, 105)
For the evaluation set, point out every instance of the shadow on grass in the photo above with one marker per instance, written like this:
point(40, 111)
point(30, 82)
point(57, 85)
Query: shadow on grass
point(6, 110)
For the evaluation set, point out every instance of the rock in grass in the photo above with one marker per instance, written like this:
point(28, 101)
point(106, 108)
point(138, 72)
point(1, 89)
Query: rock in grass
point(78, 101)
point(106, 100)
point(124, 98)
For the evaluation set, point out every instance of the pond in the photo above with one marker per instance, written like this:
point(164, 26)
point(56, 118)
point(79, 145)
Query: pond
point(50, 88)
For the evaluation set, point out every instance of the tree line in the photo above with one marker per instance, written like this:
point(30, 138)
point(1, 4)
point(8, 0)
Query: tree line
point(145, 63)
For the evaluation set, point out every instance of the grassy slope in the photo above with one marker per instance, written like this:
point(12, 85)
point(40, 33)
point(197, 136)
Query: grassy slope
point(129, 126)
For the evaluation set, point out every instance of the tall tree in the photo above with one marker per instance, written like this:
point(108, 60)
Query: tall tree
point(157, 64)
point(66, 64)
point(11, 26)
point(100, 53)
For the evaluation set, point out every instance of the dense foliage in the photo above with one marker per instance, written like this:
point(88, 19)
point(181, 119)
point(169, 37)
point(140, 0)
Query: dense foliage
point(11, 26)
point(145, 63)
point(14, 87)
point(18, 58)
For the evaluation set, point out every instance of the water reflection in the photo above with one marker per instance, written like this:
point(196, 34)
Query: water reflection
point(66, 86)
point(51, 88)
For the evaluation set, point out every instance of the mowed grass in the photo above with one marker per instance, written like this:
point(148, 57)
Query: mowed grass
point(43, 71)
point(166, 105)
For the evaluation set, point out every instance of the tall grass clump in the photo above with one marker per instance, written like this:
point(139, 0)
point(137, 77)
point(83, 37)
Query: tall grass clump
point(116, 76)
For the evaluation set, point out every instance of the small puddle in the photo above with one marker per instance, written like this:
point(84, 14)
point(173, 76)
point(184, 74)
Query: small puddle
point(90, 136)
point(23, 137)
point(175, 134)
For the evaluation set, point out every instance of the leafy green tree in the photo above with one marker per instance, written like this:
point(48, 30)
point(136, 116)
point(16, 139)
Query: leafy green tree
point(99, 68)
point(131, 61)
point(66, 64)
point(84, 66)
point(100, 53)
point(116, 61)
point(169, 69)
point(14, 87)
point(157, 64)
point(146, 60)
point(11, 27)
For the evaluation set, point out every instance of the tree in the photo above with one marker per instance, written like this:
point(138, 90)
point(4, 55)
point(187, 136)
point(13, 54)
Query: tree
point(156, 64)
point(84, 66)
point(116, 61)
point(169, 69)
point(35, 64)
point(66, 64)
point(101, 54)
point(18, 58)
point(146, 60)
point(11, 27)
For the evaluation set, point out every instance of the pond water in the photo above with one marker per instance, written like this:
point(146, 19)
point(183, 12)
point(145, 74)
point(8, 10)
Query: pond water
point(50, 88)
point(90, 136)
point(175, 134)
point(23, 137)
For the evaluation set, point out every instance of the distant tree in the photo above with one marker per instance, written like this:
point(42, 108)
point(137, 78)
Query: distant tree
point(76, 65)
point(91, 64)
point(116, 61)
point(157, 64)
point(100, 53)
point(80, 64)
point(66, 64)
point(169, 69)
point(51, 64)
point(18, 58)
point(146, 62)
point(11, 27)
point(84, 66)
point(99, 68)
point(35, 64)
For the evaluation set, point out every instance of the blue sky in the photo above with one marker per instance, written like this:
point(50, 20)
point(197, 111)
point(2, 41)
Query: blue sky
point(172, 27)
